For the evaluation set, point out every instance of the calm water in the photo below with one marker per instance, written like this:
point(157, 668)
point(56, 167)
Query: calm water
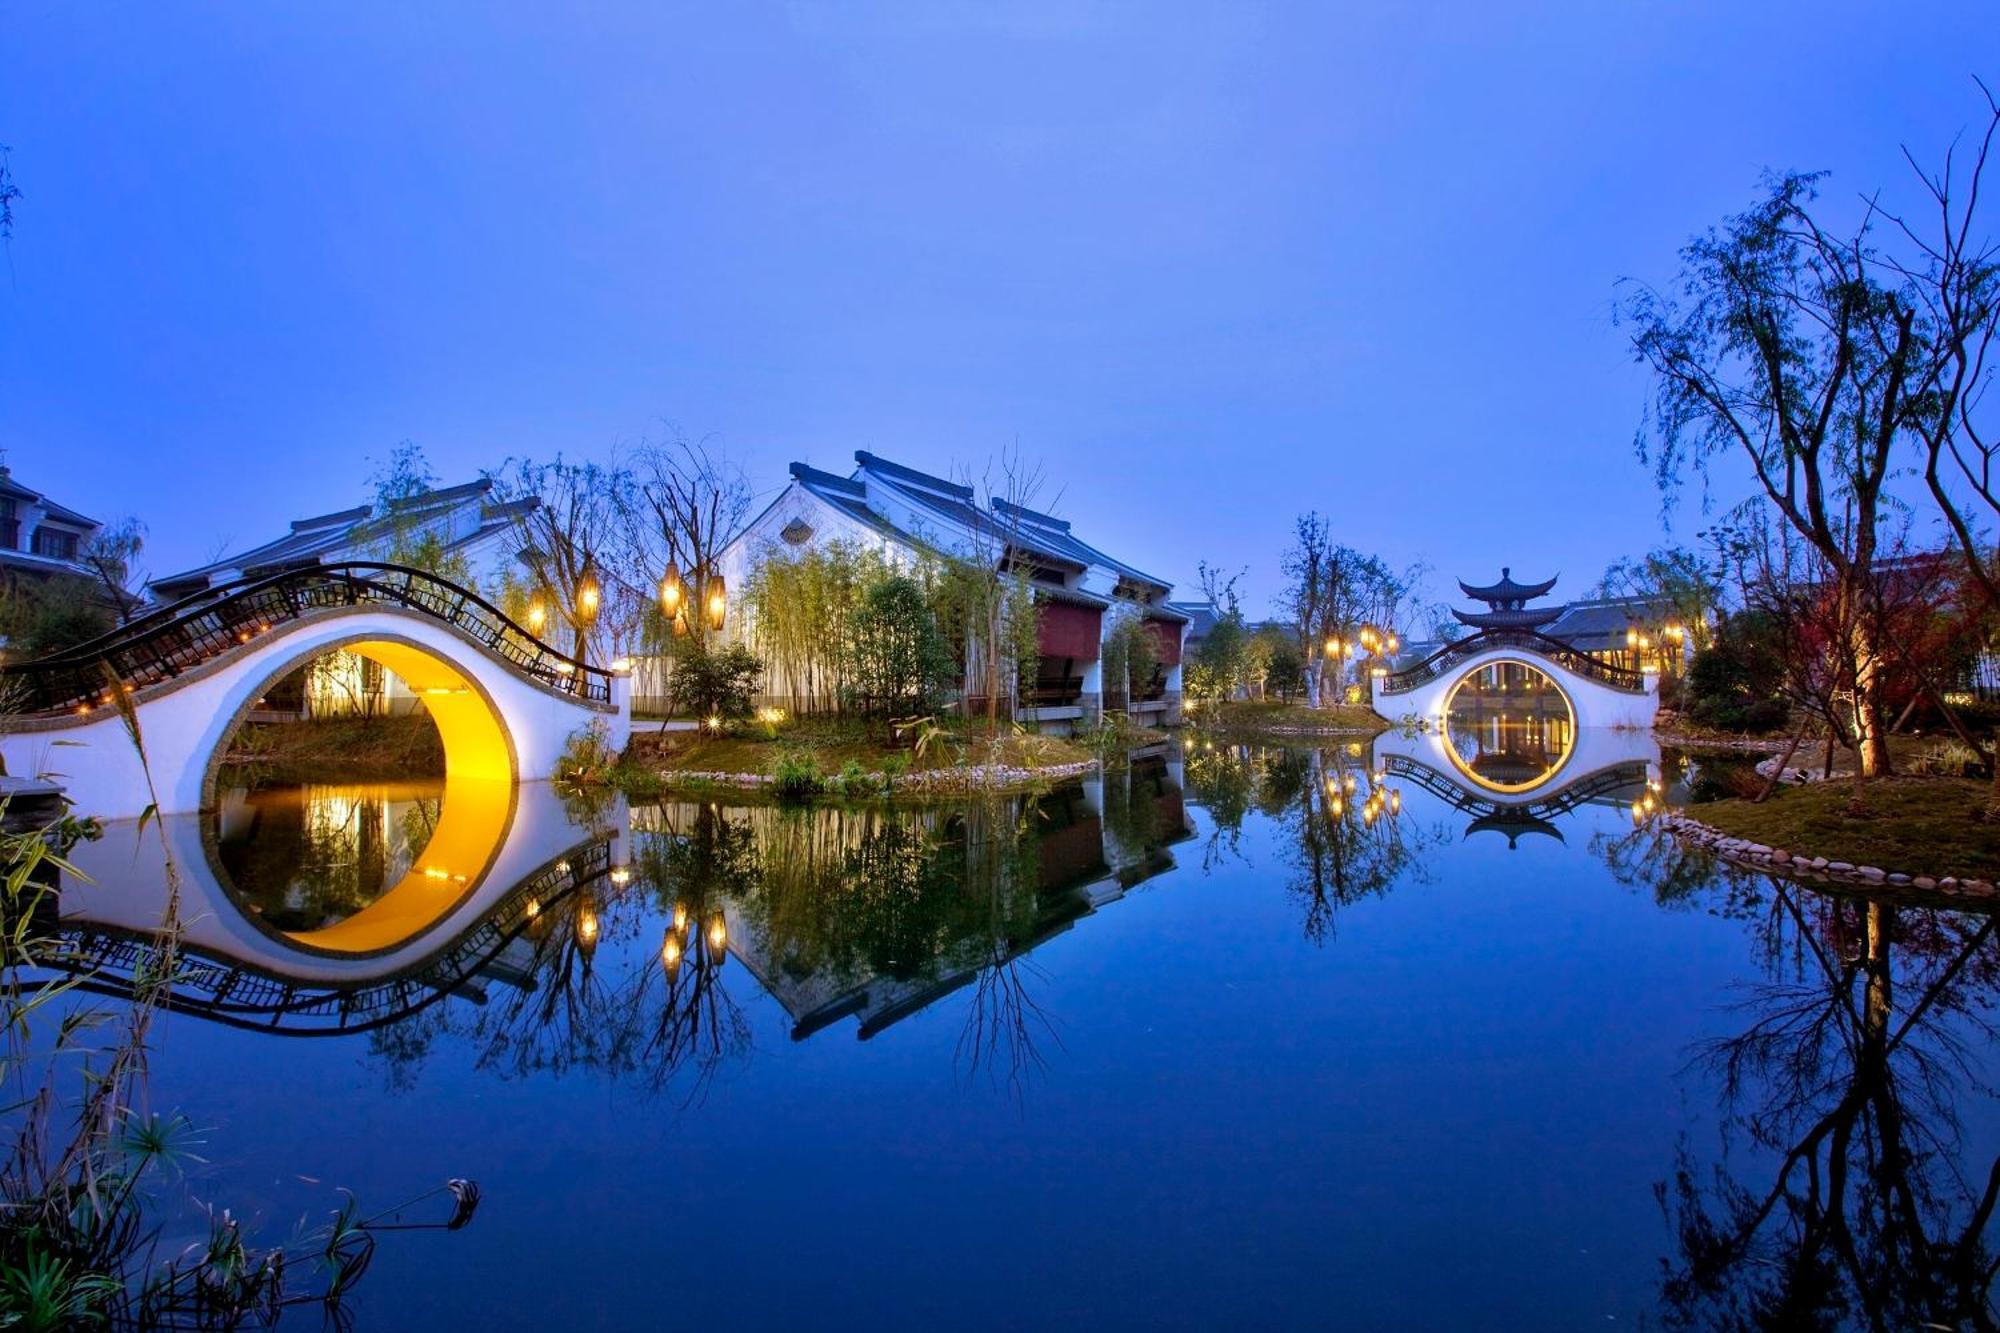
point(1401, 1034)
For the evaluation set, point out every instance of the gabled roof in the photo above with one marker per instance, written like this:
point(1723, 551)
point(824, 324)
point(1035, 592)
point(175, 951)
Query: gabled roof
point(14, 490)
point(346, 533)
point(1601, 622)
point(1016, 532)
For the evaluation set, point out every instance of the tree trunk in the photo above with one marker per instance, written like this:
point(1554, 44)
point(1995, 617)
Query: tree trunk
point(1871, 730)
point(1312, 682)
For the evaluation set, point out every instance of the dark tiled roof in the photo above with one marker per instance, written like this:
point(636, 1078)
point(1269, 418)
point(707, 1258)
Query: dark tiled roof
point(1506, 590)
point(871, 463)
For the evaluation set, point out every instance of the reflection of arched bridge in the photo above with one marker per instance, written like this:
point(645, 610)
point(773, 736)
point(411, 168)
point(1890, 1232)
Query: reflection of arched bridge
point(1514, 818)
point(1599, 693)
point(504, 702)
point(232, 992)
point(458, 918)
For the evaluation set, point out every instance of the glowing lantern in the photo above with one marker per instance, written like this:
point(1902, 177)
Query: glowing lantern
point(586, 928)
point(672, 592)
point(716, 596)
point(681, 917)
point(1631, 638)
point(588, 596)
point(681, 625)
point(670, 953)
point(718, 935)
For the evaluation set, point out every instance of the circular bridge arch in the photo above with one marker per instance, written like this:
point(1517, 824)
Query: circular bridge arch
point(474, 733)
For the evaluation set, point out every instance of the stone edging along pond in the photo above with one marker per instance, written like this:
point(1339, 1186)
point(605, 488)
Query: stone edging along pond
point(1816, 869)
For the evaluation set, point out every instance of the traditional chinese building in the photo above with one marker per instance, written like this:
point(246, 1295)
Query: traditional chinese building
point(1082, 593)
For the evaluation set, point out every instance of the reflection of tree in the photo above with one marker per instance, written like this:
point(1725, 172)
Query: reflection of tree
point(1847, 1076)
point(312, 856)
point(1340, 833)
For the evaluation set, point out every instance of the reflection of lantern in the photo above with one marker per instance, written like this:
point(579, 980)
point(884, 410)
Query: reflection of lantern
point(672, 593)
point(670, 953)
point(680, 918)
point(586, 927)
point(718, 935)
point(716, 595)
point(588, 595)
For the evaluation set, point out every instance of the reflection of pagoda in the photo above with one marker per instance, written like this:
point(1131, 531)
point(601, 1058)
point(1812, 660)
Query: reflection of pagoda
point(1506, 604)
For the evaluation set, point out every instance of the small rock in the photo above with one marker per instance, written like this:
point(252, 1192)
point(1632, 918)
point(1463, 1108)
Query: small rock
point(1781, 856)
point(1838, 867)
point(1924, 882)
point(1873, 873)
point(1898, 877)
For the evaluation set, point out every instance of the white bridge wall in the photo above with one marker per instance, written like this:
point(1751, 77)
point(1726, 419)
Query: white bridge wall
point(1597, 705)
point(96, 764)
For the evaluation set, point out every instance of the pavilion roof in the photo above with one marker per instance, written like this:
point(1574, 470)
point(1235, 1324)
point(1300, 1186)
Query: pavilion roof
point(1506, 590)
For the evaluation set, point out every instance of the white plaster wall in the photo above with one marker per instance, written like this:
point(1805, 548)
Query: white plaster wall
point(95, 761)
point(1596, 705)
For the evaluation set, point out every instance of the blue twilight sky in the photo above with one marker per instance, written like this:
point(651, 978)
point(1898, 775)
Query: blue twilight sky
point(1208, 265)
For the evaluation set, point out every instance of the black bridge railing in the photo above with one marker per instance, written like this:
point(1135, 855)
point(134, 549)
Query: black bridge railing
point(1571, 659)
point(163, 644)
point(1620, 777)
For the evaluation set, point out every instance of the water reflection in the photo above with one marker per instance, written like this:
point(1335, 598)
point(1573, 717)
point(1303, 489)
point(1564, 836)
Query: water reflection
point(1509, 728)
point(659, 947)
point(1859, 1047)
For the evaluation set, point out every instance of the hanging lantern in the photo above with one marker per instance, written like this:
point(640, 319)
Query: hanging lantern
point(1631, 638)
point(589, 594)
point(538, 615)
point(672, 592)
point(716, 595)
point(681, 625)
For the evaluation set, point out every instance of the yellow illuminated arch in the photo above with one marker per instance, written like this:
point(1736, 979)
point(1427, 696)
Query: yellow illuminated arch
point(472, 824)
point(1480, 779)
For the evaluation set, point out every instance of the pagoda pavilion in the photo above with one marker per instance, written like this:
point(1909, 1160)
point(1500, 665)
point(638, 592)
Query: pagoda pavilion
point(1507, 604)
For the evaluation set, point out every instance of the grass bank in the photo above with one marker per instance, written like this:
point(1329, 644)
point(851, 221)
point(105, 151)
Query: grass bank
point(1931, 826)
point(847, 756)
point(1279, 718)
point(347, 749)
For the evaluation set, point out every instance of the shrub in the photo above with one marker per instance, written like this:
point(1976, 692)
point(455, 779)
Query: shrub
point(899, 660)
point(1735, 683)
point(796, 775)
point(716, 682)
point(587, 758)
point(1948, 757)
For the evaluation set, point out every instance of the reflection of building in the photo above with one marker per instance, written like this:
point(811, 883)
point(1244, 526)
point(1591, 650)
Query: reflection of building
point(1092, 843)
point(1083, 594)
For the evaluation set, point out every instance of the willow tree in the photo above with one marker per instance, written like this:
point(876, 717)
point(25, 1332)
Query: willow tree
point(1797, 346)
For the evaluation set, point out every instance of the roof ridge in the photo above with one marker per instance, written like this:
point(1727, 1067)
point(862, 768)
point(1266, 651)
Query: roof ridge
point(874, 462)
point(1036, 516)
point(813, 476)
